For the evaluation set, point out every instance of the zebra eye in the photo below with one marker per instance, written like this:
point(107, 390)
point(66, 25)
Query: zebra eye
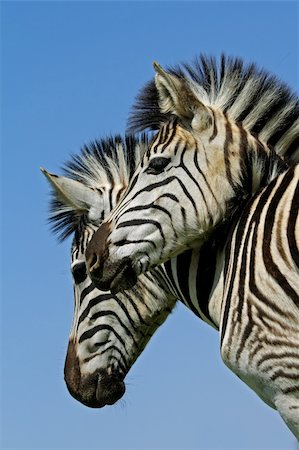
point(79, 272)
point(157, 165)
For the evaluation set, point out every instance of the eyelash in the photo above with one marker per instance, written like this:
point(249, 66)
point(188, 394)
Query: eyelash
point(157, 165)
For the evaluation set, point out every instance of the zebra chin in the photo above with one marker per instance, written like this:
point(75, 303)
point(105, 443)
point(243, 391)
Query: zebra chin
point(95, 390)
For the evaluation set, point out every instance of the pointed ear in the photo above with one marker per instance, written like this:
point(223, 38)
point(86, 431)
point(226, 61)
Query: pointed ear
point(76, 195)
point(176, 97)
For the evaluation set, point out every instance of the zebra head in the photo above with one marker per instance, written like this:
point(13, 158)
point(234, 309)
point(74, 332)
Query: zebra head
point(199, 168)
point(108, 331)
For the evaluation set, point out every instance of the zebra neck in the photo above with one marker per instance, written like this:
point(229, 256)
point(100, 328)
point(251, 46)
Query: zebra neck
point(259, 166)
point(194, 276)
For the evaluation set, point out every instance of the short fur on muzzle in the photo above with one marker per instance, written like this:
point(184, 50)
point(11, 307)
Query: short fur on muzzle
point(94, 390)
point(107, 275)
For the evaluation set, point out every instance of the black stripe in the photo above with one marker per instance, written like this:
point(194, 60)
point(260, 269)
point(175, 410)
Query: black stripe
point(168, 270)
point(215, 131)
point(132, 303)
point(163, 134)
point(288, 121)
point(271, 266)
point(252, 284)
point(228, 141)
point(187, 193)
point(287, 355)
point(86, 291)
point(183, 166)
point(139, 222)
point(246, 163)
point(111, 205)
point(122, 363)
point(93, 302)
point(170, 138)
point(291, 390)
point(291, 228)
point(132, 241)
point(152, 206)
point(89, 333)
point(282, 374)
point(124, 368)
point(107, 313)
point(231, 254)
point(293, 147)
point(203, 175)
point(206, 274)
point(183, 263)
point(153, 186)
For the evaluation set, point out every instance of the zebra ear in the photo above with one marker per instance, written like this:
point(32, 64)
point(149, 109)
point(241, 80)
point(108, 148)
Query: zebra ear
point(176, 97)
point(75, 195)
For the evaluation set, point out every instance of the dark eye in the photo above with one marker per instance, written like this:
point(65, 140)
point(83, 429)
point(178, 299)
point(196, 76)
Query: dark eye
point(79, 272)
point(157, 165)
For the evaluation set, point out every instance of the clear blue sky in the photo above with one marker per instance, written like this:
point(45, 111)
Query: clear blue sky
point(70, 72)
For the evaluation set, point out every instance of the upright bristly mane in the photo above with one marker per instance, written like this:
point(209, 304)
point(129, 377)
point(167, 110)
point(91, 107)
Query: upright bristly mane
point(263, 104)
point(104, 162)
point(109, 160)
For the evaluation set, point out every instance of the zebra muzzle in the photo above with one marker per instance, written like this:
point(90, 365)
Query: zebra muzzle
point(105, 274)
point(115, 277)
point(95, 390)
point(110, 389)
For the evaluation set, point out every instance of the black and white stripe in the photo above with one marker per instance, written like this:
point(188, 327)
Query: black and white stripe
point(111, 330)
point(206, 174)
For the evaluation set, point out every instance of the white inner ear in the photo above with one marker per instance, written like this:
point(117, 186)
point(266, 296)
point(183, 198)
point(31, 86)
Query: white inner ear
point(76, 195)
point(177, 97)
point(169, 89)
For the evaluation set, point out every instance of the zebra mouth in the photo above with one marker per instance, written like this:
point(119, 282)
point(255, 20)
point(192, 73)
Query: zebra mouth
point(97, 391)
point(115, 277)
point(110, 389)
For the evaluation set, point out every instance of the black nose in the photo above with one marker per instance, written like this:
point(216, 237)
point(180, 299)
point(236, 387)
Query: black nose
point(110, 388)
point(98, 389)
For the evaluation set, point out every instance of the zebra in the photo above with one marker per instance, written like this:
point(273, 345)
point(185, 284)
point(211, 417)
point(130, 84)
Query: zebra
point(109, 331)
point(95, 367)
point(207, 170)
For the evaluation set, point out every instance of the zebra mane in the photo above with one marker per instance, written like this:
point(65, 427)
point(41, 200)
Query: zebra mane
point(102, 162)
point(263, 104)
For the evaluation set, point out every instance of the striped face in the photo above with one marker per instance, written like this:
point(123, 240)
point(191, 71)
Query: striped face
point(109, 331)
point(170, 206)
point(197, 167)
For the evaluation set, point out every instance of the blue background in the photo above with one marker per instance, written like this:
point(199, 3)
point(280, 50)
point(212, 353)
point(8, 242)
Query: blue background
point(70, 72)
